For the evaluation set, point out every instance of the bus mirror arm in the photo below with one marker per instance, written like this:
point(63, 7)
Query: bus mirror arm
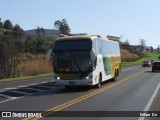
point(53, 50)
point(94, 62)
point(93, 58)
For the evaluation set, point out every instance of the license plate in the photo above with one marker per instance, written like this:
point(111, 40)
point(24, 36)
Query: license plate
point(72, 82)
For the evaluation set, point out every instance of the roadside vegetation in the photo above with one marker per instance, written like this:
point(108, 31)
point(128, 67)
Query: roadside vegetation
point(127, 56)
point(23, 57)
point(34, 65)
point(141, 57)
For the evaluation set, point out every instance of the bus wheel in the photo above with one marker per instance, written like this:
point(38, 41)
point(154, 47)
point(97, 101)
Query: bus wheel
point(115, 76)
point(99, 81)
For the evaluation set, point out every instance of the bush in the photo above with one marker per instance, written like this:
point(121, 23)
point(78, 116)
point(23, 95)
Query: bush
point(10, 57)
point(126, 56)
point(35, 64)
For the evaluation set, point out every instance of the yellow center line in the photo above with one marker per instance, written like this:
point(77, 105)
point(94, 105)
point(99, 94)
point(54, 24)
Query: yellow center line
point(79, 99)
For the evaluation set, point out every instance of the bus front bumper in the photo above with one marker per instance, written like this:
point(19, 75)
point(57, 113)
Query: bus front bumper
point(83, 82)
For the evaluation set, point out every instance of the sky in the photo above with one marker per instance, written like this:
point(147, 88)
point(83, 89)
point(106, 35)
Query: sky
point(130, 19)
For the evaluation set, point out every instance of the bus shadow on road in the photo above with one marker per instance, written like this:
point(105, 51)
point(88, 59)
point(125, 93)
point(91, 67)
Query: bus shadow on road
point(72, 89)
point(63, 90)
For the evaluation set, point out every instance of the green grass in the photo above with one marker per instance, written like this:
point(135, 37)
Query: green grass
point(25, 77)
point(148, 56)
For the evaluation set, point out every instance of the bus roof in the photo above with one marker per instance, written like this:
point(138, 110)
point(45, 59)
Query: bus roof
point(80, 37)
point(75, 37)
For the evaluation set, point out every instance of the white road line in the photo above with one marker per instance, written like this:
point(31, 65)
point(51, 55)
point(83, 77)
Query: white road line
point(10, 98)
point(45, 86)
point(150, 101)
point(35, 89)
point(32, 84)
point(6, 96)
point(13, 98)
point(44, 82)
point(28, 85)
point(21, 86)
point(1, 90)
point(25, 93)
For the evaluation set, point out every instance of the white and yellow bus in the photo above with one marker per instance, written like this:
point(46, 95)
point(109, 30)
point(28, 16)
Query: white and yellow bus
point(85, 60)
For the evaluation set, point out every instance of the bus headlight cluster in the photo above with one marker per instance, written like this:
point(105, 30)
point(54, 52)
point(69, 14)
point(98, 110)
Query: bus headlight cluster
point(56, 77)
point(88, 76)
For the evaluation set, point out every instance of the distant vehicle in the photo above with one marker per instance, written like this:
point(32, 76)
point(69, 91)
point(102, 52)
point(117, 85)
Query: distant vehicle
point(152, 61)
point(155, 66)
point(147, 63)
point(85, 60)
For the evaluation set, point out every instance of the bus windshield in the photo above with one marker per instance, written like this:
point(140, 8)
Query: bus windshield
point(72, 62)
point(73, 45)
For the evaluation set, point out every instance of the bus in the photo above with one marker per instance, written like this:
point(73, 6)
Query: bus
point(85, 61)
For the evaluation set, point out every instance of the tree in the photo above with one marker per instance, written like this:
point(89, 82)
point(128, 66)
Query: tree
point(10, 57)
point(17, 28)
point(11, 49)
point(29, 45)
point(8, 25)
point(57, 24)
point(40, 31)
point(1, 26)
point(40, 41)
point(127, 42)
point(36, 44)
point(142, 44)
point(62, 26)
point(18, 31)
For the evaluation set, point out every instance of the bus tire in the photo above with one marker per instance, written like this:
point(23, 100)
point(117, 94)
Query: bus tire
point(99, 81)
point(115, 76)
point(117, 72)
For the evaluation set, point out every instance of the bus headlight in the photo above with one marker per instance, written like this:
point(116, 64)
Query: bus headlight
point(89, 76)
point(86, 77)
point(57, 78)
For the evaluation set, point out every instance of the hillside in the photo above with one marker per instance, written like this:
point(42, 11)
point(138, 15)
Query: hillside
point(133, 59)
point(127, 56)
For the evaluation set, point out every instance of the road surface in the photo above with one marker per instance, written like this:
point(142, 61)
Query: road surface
point(136, 90)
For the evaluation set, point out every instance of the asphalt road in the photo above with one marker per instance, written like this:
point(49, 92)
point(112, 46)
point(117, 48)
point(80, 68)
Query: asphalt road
point(136, 90)
point(19, 83)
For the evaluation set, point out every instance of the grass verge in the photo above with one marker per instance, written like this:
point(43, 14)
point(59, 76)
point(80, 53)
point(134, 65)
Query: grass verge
point(149, 56)
point(25, 77)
